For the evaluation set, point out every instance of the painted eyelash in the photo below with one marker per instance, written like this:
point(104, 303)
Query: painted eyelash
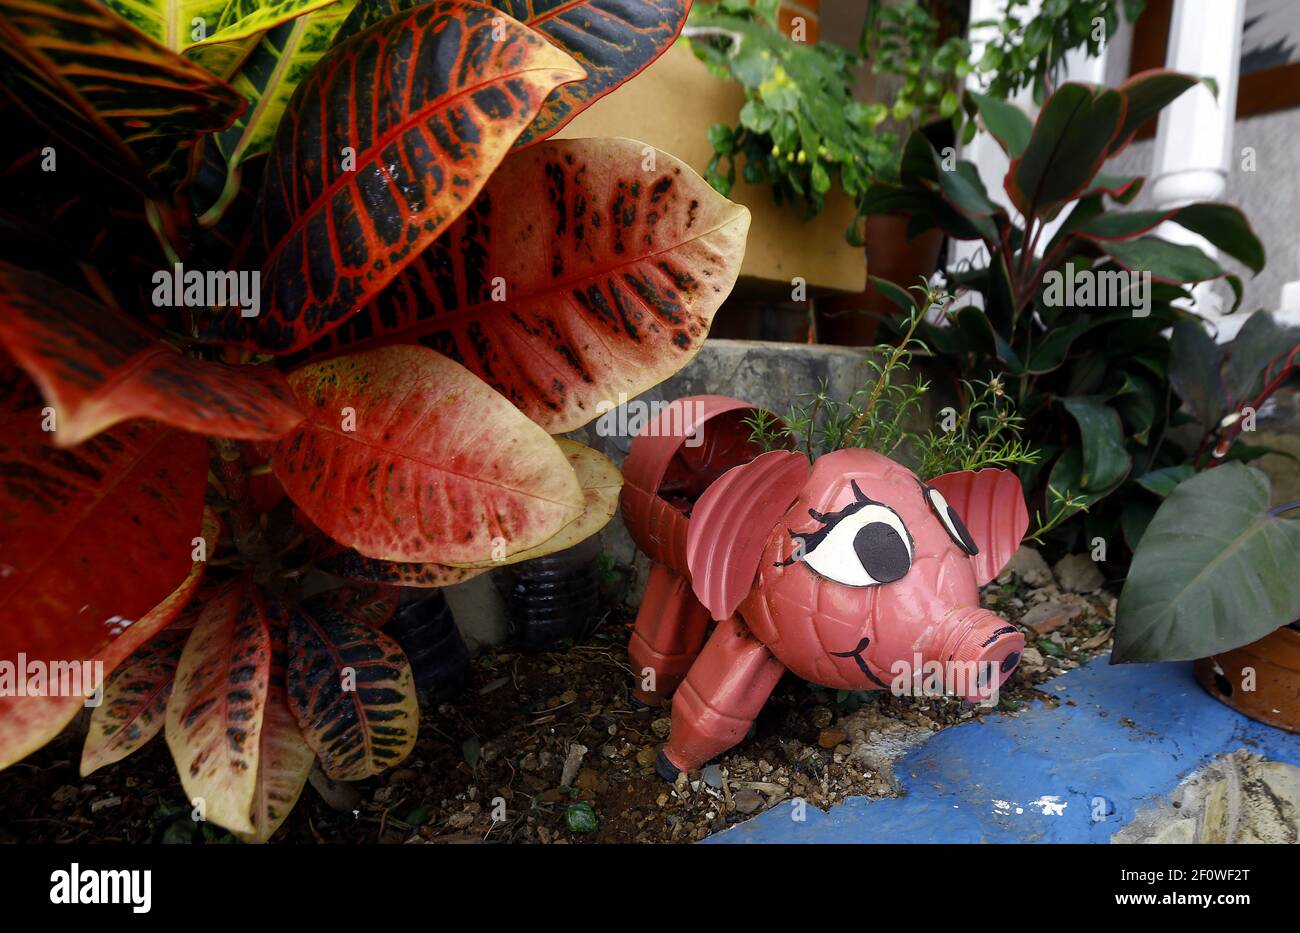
point(810, 539)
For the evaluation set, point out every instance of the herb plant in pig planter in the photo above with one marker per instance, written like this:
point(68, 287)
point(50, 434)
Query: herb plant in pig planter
point(850, 571)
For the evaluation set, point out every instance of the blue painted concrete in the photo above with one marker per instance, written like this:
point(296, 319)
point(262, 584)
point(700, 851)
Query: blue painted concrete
point(1073, 753)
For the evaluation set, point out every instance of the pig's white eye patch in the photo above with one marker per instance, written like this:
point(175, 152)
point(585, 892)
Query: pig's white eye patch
point(863, 544)
point(951, 521)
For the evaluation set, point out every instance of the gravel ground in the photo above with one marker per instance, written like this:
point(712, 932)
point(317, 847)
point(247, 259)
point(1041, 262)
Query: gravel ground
point(549, 748)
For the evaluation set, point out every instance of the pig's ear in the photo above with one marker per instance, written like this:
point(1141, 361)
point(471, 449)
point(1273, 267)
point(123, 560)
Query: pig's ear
point(731, 522)
point(991, 504)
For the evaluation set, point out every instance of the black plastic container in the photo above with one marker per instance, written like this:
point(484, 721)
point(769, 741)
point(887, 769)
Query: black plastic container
point(427, 634)
point(553, 599)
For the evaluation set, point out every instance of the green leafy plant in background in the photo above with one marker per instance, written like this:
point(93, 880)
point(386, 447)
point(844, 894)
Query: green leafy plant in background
point(1216, 566)
point(1028, 49)
point(1124, 392)
point(1089, 376)
point(985, 432)
point(800, 128)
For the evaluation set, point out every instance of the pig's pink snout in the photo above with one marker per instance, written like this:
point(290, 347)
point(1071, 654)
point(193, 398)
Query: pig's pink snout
point(984, 647)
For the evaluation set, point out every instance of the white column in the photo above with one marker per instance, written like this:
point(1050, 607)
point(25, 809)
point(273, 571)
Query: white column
point(1194, 139)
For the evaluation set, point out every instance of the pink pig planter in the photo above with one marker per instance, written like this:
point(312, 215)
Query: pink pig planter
point(852, 573)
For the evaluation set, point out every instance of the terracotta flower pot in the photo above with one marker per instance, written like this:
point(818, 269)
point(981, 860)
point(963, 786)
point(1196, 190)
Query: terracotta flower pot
point(1275, 659)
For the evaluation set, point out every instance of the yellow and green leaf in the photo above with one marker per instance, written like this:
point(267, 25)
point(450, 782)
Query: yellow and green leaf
point(267, 76)
point(179, 25)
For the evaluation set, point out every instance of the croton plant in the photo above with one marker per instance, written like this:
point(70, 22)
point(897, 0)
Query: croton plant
point(440, 289)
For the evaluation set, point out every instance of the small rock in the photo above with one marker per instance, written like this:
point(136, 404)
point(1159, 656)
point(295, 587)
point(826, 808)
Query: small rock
point(552, 795)
point(1049, 616)
point(105, 803)
point(646, 757)
point(572, 762)
point(462, 820)
point(712, 776)
point(1031, 658)
point(829, 738)
point(402, 775)
point(64, 795)
point(529, 762)
point(1078, 573)
point(569, 696)
point(661, 727)
point(821, 717)
point(1029, 566)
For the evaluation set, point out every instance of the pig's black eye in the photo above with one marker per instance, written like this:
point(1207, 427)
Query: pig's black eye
point(952, 522)
point(863, 544)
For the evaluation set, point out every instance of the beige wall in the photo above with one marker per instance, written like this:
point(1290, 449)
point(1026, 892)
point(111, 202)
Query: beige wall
point(671, 105)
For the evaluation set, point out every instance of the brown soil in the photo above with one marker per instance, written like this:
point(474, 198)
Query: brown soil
point(499, 749)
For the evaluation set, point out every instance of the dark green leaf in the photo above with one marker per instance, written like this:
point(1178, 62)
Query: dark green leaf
point(1164, 480)
point(1105, 460)
point(1194, 373)
point(1213, 572)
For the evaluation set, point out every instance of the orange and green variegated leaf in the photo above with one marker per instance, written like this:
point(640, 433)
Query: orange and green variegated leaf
point(284, 758)
point(125, 101)
point(405, 455)
point(182, 25)
point(93, 542)
point(350, 689)
point(134, 703)
point(614, 40)
point(267, 76)
point(218, 702)
point(348, 564)
point(382, 146)
point(98, 367)
point(601, 483)
point(611, 274)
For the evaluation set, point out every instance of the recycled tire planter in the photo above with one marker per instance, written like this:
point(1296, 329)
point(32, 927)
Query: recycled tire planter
point(1276, 661)
point(427, 634)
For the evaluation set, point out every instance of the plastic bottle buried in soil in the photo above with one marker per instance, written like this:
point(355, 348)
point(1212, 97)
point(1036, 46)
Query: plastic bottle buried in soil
point(427, 634)
point(553, 598)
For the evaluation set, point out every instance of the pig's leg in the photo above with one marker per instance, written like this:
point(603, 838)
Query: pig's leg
point(723, 692)
point(670, 629)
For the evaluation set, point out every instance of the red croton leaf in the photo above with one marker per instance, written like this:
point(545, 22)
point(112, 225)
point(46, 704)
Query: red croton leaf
point(215, 713)
point(407, 456)
point(613, 39)
point(98, 367)
point(348, 564)
point(135, 699)
point(577, 275)
point(361, 728)
point(382, 146)
point(92, 542)
point(284, 759)
point(122, 99)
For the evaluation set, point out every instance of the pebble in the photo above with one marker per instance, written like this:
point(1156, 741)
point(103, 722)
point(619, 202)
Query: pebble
point(646, 757)
point(1049, 616)
point(1029, 566)
point(821, 717)
point(829, 738)
point(661, 727)
point(1078, 573)
point(712, 776)
point(462, 820)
